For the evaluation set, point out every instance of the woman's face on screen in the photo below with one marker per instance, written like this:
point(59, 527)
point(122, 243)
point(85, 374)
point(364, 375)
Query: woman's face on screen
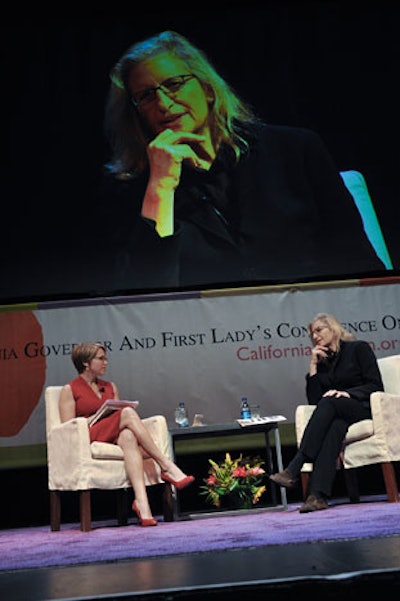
point(168, 96)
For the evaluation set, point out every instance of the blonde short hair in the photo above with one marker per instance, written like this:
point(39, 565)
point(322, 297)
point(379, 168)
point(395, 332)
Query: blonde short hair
point(333, 324)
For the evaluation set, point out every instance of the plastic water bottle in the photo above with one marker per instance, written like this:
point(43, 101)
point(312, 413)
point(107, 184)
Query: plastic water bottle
point(181, 415)
point(245, 412)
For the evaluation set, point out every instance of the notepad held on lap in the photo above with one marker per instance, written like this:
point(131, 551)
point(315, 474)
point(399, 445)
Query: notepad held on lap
point(108, 407)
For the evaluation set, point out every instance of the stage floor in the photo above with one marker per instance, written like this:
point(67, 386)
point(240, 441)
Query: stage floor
point(277, 571)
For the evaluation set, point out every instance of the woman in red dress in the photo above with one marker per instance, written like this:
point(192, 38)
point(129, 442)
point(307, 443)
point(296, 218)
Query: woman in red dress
point(85, 394)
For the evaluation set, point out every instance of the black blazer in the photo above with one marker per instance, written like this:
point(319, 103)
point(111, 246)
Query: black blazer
point(354, 369)
point(282, 214)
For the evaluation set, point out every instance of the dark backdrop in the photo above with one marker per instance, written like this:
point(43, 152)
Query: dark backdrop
point(329, 66)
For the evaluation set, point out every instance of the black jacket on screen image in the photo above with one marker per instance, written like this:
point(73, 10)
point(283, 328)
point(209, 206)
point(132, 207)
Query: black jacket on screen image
point(281, 214)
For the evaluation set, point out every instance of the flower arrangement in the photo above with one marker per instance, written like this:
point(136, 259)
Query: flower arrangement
point(242, 477)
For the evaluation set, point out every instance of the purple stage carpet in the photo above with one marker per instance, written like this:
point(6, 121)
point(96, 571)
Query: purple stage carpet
point(39, 547)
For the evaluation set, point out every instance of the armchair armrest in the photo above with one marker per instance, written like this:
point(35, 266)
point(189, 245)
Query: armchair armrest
point(303, 414)
point(68, 448)
point(158, 428)
point(385, 409)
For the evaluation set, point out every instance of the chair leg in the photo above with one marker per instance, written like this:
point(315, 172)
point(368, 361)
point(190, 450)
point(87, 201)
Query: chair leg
point(55, 510)
point(168, 503)
point(305, 478)
point(351, 481)
point(389, 477)
point(122, 506)
point(85, 510)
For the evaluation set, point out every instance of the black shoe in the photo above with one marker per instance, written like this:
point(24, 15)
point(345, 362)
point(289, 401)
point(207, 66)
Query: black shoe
point(313, 503)
point(284, 479)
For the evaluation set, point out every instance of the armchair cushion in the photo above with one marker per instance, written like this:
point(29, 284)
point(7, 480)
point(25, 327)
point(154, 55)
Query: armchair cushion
point(357, 431)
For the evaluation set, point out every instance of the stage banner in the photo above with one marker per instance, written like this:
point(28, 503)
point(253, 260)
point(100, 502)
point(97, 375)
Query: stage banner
point(207, 349)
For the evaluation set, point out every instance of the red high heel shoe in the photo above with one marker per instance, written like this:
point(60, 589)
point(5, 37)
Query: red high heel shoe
point(179, 484)
point(143, 521)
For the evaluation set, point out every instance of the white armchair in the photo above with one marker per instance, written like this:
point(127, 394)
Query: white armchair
point(75, 464)
point(370, 441)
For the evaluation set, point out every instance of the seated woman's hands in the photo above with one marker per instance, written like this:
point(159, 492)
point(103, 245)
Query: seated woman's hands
point(336, 393)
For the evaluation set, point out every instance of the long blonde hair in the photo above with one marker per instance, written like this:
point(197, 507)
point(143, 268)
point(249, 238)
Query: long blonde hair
point(123, 125)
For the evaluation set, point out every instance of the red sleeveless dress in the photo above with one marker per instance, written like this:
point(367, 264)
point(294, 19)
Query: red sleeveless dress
point(87, 402)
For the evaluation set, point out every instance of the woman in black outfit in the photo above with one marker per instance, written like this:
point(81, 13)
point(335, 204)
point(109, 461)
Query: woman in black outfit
point(342, 375)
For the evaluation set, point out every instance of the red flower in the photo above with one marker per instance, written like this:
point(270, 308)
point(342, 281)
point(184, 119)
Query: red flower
point(239, 472)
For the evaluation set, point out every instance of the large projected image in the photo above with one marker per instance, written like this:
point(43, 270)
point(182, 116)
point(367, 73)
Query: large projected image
point(152, 169)
point(209, 194)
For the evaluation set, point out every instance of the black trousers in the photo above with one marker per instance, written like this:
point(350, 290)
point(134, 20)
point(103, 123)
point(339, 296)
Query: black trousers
point(323, 437)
